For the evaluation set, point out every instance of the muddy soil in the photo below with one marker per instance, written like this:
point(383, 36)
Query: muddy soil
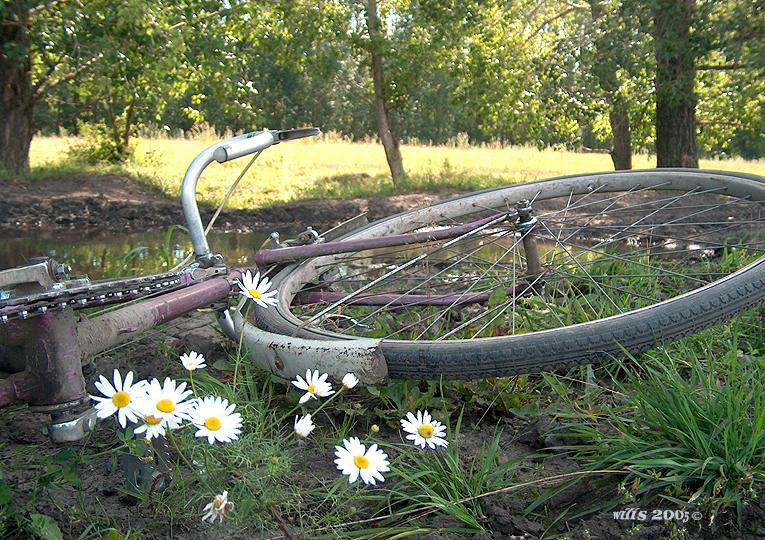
point(118, 204)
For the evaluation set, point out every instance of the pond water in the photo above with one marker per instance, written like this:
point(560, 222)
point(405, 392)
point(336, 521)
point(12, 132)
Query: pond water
point(101, 255)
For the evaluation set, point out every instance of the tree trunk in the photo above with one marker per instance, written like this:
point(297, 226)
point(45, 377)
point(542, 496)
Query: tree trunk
point(605, 69)
point(15, 91)
point(387, 137)
point(676, 144)
point(621, 153)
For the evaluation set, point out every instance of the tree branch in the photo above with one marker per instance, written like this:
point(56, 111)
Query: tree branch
point(43, 6)
point(46, 85)
point(722, 67)
point(558, 16)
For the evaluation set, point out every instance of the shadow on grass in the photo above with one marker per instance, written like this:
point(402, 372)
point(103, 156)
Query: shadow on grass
point(151, 183)
point(349, 186)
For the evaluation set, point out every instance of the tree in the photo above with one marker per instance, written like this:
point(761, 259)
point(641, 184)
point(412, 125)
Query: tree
point(40, 49)
point(606, 70)
point(16, 95)
point(676, 144)
point(388, 138)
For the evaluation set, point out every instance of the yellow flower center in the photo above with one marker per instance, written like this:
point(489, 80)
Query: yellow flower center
point(425, 431)
point(311, 389)
point(165, 405)
point(121, 399)
point(152, 420)
point(361, 462)
point(254, 293)
point(213, 423)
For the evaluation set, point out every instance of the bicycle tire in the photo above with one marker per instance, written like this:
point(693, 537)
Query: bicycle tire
point(569, 346)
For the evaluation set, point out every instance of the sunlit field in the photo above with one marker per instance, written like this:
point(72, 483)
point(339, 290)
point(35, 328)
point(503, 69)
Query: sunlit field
point(332, 167)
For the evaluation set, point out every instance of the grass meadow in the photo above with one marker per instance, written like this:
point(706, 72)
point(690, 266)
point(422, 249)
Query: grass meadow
point(332, 167)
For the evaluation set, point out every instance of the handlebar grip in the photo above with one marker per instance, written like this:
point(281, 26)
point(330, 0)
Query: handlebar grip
point(251, 143)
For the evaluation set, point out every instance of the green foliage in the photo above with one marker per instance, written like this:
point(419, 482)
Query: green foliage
point(544, 74)
point(97, 146)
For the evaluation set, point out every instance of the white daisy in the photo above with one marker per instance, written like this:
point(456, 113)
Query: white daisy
point(216, 420)
point(304, 426)
point(121, 398)
point(423, 429)
point(354, 461)
point(315, 385)
point(218, 508)
point(167, 401)
point(151, 426)
point(350, 380)
point(193, 360)
point(257, 289)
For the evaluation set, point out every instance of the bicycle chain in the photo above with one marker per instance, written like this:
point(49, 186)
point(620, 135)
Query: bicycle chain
point(87, 296)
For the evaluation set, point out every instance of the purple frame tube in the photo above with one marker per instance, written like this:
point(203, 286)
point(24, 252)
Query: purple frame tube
point(267, 257)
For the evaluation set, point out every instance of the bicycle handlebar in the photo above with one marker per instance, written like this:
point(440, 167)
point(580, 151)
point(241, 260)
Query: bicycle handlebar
point(224, 151)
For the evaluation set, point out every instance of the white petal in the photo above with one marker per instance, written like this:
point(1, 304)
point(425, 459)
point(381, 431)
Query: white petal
point(128, 381)
point(103, 386)
point(117, 381)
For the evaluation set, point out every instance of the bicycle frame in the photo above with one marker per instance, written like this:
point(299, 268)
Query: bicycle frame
point(52, 347)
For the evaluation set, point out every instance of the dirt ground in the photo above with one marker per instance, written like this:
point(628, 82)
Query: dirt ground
point(117, 204)
point(114, 203)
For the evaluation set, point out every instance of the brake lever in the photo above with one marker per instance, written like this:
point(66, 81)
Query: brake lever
point(292, 134)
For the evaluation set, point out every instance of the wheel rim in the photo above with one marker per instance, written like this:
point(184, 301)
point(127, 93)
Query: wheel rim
point(700, 226)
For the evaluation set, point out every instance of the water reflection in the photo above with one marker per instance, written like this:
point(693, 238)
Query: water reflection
point(108, 255)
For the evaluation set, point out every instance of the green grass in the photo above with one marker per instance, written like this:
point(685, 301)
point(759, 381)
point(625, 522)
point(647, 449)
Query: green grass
point(685, 422)
point(332, 167)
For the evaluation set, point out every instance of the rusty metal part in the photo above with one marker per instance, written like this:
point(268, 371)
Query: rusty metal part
point(110, 329)
point(16, 388)
point(395, 299)
point(77, 294)
point(526, 223)
point(287, 356)
point(267, 257)
point(53, 360)
point(37, 274)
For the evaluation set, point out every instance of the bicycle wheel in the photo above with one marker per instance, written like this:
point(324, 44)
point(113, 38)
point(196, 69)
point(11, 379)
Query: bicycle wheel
point(623, 261)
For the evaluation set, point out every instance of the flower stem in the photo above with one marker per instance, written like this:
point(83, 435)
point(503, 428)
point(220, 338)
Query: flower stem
point(313, 413)
point(239, 348)
point(187, 461)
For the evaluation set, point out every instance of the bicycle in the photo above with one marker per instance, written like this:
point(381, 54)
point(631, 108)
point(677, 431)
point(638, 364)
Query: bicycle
point(518, 279)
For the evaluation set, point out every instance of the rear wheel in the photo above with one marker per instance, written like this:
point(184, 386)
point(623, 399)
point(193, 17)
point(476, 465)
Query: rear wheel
point(606, 263)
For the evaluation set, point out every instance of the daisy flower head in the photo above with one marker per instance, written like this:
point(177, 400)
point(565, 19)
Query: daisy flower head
point(151, 426)
point(256, 289)
point(167, 401)
point(304, 426)
point(355, 460)
point(423, 429)
point(193, 360)
point(350, 380)
point(215, 419)
point(315, 385)
point(120, 396)
point(218, 508)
